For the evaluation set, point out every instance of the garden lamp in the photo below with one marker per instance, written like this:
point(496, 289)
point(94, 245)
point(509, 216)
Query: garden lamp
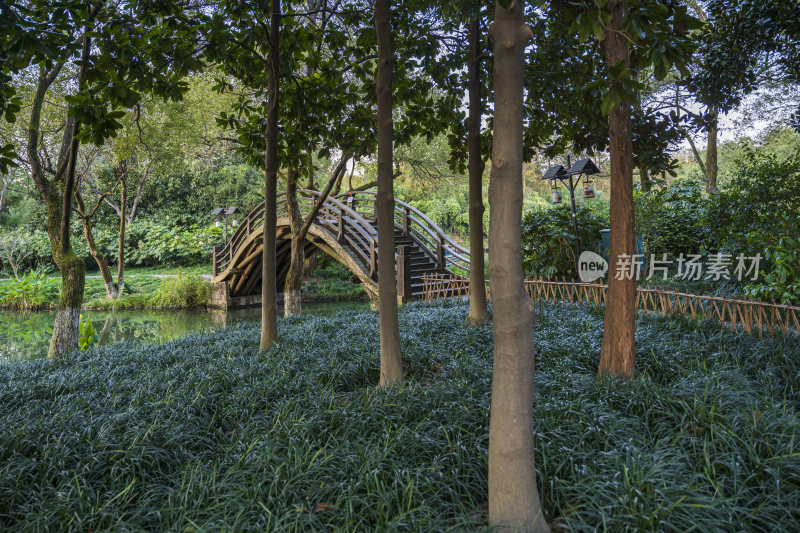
point(226, 212)
point(582, 168)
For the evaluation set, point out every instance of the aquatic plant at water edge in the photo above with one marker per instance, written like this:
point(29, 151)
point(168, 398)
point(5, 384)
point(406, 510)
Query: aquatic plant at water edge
point(33, 290)
point(184, 291)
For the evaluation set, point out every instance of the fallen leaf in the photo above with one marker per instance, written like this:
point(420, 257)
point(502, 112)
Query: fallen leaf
point(323, 506)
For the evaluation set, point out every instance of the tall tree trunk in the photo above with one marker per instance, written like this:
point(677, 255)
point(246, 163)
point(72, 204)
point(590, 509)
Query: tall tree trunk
point(57, 195)
point(513, 496)
point(391, 357)
point(711, 166)
point(618, 355)
point(269, 309)
point(297, 258)
point(123, 203)
point(73, 270)
point(477, 293)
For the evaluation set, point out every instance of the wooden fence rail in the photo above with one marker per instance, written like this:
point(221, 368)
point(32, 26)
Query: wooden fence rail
point(749, 316)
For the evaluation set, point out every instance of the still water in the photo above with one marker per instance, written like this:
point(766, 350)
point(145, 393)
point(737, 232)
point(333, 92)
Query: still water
point(27, 335)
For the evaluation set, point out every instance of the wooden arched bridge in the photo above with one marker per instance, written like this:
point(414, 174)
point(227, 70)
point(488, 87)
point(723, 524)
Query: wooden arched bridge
point(345, 228)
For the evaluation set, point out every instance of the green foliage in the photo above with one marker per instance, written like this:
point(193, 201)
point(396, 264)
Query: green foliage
point(333, 285)
point(782, 281)
point(150, 242)
point(87, 335)
point(757, 212)
point(184, 291)
point(163, 243)
point(673, 220)
point(33, 290)
point(298, 438)
point(548, 239)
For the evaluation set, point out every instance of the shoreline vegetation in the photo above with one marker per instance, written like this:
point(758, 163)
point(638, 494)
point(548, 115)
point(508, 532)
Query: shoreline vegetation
point(161, 289)
point(215, 434)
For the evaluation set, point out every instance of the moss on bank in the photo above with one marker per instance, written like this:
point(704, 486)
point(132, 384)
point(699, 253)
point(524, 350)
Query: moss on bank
point(208, 433)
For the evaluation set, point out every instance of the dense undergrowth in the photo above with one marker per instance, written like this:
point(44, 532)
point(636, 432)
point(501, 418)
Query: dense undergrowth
point(207, 434)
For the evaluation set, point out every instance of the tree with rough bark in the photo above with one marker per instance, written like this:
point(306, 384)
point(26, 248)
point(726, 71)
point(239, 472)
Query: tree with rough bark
point(618, 355)
point(91, 40)
point(513, 495)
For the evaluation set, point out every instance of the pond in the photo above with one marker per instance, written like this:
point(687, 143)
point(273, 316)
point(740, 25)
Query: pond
point(27, 335)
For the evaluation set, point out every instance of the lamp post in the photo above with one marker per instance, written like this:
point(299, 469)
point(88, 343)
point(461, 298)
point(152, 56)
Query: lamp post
point(571, 177)
point(226, 212)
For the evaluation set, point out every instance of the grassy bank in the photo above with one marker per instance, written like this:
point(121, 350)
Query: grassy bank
point(167, 288)
point(205, 433)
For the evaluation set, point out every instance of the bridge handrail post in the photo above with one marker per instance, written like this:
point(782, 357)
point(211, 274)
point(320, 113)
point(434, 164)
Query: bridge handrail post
point(406, 212)
point(373, 267)
point(214, 264)
point(440, 261)
point(340, 226)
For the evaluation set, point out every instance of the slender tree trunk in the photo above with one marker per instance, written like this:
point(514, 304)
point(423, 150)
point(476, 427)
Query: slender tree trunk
point(94, 251)
point(477, 293)
point(513, 496)
point(294, 278)
point(269, 308)
point(618, 355)
point(311, 264)
point(123, 203)
point(292, 299)
point(391, 357)
point(138, 195)
point(644, 179)
point(711, 166)
point(6, 181)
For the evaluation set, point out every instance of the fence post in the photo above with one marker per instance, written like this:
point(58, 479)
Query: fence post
point(403, 272)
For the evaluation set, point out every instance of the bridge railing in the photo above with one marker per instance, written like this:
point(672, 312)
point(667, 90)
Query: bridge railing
point(338, 218)
point(446, 252)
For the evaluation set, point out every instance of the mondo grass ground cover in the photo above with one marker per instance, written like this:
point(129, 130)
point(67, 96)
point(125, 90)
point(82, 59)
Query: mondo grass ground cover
point(207, 434)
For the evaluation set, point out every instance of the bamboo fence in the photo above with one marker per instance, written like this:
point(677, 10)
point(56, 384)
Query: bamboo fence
point(749, 316)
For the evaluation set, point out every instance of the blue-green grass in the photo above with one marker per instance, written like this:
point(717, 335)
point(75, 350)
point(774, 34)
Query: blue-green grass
point(206, 433)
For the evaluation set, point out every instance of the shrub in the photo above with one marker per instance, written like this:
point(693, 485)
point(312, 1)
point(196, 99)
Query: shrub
point(548, 240)
point(182, 291)
point(780, 280)
point(757, 212)
point(673, 220)
point(23, 249)
point(34, 290)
